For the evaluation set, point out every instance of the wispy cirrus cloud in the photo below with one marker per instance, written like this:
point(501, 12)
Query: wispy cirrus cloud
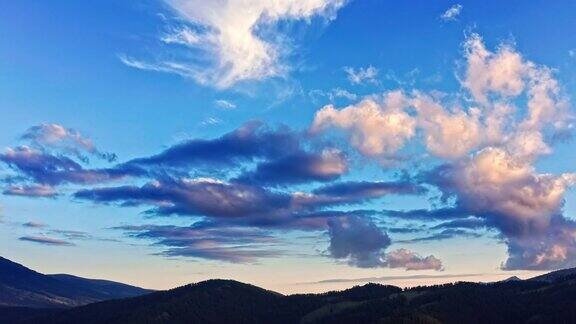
point(44, 240)
point(452, 13)
point(230, 41)
point(362, 75)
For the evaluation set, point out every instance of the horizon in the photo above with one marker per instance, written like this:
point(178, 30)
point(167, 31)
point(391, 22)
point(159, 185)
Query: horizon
point(302, 146)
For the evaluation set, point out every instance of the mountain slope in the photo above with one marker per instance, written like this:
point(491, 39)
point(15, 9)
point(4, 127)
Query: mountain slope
point(22, 287)
point(555, 275)
point(227, 301)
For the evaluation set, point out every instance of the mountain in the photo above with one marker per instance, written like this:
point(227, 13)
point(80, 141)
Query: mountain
point(218, 301)
point(227, 301)
point(513, 278)
point(550, 298)
point(555, 275)
point(22, 287)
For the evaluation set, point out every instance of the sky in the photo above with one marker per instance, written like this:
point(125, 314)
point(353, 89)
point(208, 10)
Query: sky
point(299, 145)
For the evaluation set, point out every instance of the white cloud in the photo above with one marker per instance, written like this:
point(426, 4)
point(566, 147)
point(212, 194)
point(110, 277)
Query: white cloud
point(447, 134)
point(377, 126)
point(231, 41)
point(362, 75)
point(225, 104)
point(211, 121)
point(452, 13)
point(502, 73)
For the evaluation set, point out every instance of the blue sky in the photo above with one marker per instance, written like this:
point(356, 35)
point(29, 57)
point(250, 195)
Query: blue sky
point(296, 143)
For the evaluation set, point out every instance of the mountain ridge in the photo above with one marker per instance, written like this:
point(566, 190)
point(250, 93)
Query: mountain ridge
point(23, 287)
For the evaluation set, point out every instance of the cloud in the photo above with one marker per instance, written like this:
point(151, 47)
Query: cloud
point(526, 207)
point(427, 214)
point(362, 75)
point(230, 244)
point(508, 191)
point(392, 278)
point(225, 104)
point(470, 223)
point(497, 82)
point(244, 144)
point(487, 146)
point(34, 190)
point(47, 169)
point(60, 137)
point(203, 196)
point(33, 224)
point(375, 126)
point(403, 258)
point(299, 167)
point(233, 41)
point(447, 134)
point(358, 241)
point(452, 13)
point(45, 240)
point(362, 244)
point(361, 190)
point(443, 235)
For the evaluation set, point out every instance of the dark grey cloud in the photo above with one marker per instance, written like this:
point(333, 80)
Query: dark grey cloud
point(470, 223)
point(48, 169)
point(298, 167)
point(200, 197)
point(443, 235)
point(358, 241)
point(428, 214)
point(252, 140)
point(46, 240)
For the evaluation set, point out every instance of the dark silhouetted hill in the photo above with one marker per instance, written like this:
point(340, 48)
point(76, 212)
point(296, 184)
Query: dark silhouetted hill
point(227, 301)
point(22, 287)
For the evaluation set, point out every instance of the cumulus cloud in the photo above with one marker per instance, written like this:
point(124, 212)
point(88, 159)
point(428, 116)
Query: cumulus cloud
point(362, 75)
point(447, 134)
point(507, 190)
point(376, 126)
point(403, 258)
point(233, 41)
point(362, 244)
point(452, 13)
point(492, 140)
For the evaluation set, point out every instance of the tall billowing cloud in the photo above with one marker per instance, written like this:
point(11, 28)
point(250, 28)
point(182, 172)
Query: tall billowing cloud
point(489, 145)
point(232, 41)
